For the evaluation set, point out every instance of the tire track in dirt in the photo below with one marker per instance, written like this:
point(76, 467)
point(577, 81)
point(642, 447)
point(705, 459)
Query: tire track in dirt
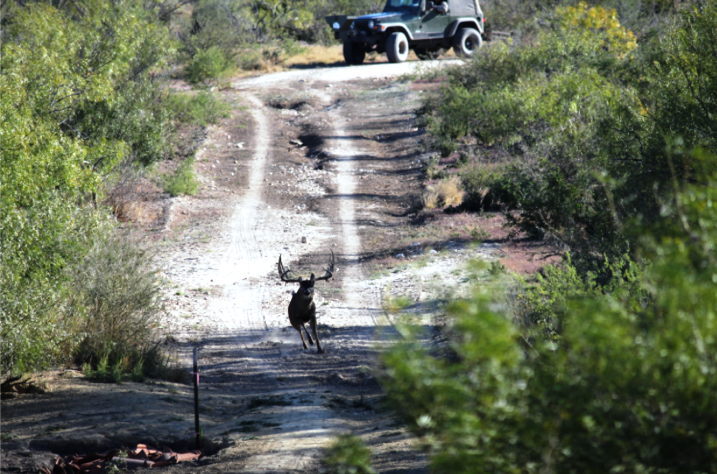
point(362, 303)
point(305, 428)
point(240, 306)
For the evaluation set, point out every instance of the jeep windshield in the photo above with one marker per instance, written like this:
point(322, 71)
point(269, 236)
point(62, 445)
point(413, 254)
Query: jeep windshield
point(401, 5)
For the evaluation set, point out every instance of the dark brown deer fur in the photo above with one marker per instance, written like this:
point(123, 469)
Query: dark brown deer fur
point(302, 308)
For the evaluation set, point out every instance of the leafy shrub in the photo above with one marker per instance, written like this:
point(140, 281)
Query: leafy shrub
point(476, 181)
point(627, 386)
point(206, 65)
point(544, 304)
point(183, 182)
point(201, 109)
point(348, 455)
point(587, 120)
point(38, 246)
point(79, 95)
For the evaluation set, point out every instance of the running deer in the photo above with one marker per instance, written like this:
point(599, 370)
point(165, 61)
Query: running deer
point(302, 309)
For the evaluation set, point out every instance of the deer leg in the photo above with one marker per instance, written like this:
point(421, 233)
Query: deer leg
point(316, 335)
point(302, 338)
point(311, 341)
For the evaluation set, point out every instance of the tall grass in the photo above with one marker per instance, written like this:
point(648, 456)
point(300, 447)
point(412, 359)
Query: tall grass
point(118, 289)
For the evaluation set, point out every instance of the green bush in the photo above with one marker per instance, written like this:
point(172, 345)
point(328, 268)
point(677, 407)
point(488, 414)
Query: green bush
point(628, 386)
point(587, 119)
point(183, 182)
point(206, 65)
point(544, 304)
point(79, 95)
point(348, 455)
point(477, 180)
point(39, 246)
point(201, 109)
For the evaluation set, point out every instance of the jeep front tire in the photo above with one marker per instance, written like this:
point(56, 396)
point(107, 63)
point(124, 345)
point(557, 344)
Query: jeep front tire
point(466, 42)
point(354, 53)
point(397, 47)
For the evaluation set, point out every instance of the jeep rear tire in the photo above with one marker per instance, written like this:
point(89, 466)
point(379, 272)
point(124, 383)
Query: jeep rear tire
point(397, 47)
point(466, 42)
point(354, 53)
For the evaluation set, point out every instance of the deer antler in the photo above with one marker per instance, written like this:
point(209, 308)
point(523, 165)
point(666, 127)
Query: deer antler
point(329, 271)
point(285, 271)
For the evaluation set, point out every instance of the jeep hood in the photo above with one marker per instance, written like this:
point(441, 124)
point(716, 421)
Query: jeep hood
point(380, 16)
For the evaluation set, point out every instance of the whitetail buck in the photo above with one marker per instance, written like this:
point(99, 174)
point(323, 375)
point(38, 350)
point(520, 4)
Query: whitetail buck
point(302, 309)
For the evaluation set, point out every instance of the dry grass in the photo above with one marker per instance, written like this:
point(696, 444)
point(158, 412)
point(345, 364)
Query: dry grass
point(316, 55)
point(447, 192)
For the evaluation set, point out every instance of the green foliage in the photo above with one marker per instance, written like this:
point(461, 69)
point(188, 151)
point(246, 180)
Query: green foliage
point(544, 305)
point(183, 182)
point(587, 119)
point(206, 65)
point(628, 386)
point(348, 455)
point(79, 95)
point(236, 26)
point(39, 244)
point(476, 180)
point(201, 109)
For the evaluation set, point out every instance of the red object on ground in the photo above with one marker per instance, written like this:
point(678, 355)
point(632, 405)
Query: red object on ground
point(141, 457)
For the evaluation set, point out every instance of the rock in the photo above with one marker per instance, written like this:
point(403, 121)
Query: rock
point(296, 142)
point(303, 240)
point(400, 255)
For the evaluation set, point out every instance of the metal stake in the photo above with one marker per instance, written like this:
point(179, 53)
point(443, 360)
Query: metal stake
point(196, 402)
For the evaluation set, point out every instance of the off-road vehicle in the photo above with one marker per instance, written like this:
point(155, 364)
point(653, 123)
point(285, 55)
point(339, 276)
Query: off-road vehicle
point(421, 25)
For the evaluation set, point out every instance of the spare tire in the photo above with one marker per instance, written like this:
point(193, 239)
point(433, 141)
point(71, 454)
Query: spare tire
point(466, 42)
point(397, 47)
point(354, 53)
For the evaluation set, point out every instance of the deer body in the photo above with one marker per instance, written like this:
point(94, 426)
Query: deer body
point(302, 308)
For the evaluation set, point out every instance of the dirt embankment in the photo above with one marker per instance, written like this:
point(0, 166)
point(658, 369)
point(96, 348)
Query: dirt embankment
point(310, 162)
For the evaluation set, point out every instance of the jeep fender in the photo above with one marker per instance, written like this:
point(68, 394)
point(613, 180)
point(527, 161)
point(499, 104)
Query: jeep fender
point(462, 23)
point(394, 27)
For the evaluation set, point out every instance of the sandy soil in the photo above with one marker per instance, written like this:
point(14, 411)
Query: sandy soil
point(312, 161)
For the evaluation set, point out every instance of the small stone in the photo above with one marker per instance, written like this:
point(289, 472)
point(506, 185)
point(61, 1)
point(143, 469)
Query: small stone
point(296, 142)
point(303, 240)
point(432, 251)
point(400, 255)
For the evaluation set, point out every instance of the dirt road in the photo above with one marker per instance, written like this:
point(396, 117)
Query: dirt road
point(311, 161)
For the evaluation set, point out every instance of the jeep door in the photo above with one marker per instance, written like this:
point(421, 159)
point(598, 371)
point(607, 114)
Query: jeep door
point(433, 24)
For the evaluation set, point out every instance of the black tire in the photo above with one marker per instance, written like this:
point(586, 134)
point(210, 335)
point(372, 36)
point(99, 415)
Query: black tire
point(466, 42)
point(354, 53)
point(424, 53)
point(397, 47)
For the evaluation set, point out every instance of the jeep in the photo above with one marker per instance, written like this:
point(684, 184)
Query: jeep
point(426, 27)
